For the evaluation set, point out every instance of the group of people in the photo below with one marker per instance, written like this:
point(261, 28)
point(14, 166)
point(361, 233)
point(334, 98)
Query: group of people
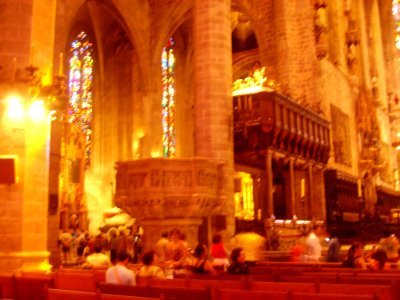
point(79, 247)
point(378, 258)
point(172, 254)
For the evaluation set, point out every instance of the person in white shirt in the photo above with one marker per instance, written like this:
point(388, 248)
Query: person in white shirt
point(313, 248)
point(98, 259)
point(120, 274)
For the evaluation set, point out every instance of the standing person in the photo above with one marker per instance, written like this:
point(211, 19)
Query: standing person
point(333, 247)
point(175, 249)
point(161, 246)
point(120, 274)
point(238, 262)
point(313, 248)
point(217, 250)
point(113, 243)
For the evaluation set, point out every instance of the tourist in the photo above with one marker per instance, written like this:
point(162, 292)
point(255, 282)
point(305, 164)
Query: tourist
point(175, 249)
point(390, 244)
point(161, 246)
point(379, 260)
point(201, 264)
point(313, 248)
point(149, 269)
point(120, 274)
point(98, 259)
point(218, 251)
point(333, 247)
point(238, 262)
point(354, 258)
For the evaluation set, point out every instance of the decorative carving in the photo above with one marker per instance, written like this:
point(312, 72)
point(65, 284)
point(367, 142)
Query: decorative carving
point(177, 178)
point(172, 188)
point(321, 28)
point(341, 136)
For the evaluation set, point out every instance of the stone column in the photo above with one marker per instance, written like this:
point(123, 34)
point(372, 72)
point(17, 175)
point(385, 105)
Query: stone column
point(213, 137)
point(24, 204)
point(292, 188)
point(270, 192)
point(311, 200)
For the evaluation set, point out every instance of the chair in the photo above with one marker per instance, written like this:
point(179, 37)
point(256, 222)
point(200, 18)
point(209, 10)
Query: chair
point(57, 294)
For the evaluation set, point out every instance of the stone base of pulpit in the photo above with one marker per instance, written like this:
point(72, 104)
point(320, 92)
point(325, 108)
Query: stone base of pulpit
point(152, 230)
point(25, 261)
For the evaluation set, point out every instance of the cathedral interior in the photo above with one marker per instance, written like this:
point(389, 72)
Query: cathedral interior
point(206, 115)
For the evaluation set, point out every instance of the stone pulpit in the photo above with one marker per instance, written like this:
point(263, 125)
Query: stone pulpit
point(163, 193)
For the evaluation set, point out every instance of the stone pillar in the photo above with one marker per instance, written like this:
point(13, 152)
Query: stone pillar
point(24, 204)
point(213, 136)
point(270, 187)
point(292, 189)
point(311, 201)
point(53, 221)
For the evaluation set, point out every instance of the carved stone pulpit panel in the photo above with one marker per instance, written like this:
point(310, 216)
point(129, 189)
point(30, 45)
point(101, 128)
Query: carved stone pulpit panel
point(170, 190)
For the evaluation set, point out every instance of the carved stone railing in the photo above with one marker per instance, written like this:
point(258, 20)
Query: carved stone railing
point(161, 188)
point(271, 120)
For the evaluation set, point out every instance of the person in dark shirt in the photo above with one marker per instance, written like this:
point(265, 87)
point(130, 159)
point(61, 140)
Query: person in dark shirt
point(201, 265)
point(238, 262)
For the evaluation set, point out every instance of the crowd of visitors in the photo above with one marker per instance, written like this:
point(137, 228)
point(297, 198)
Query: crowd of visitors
point(117, 249)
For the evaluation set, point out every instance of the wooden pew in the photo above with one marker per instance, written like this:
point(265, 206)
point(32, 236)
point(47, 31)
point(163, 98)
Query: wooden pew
point(259, 295)
point(283, 286)
point(128, 290)
point(193, 283)
point(306, 296)
point(7, 290)
point(222, 294)
point(77, 281)
point(180, 293)
point(32, 288)
point(58, 294)
point(121, 297)
point(384, 291)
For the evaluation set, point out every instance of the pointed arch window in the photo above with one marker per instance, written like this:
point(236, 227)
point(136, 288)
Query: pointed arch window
point(80, 111)
point(168, 99)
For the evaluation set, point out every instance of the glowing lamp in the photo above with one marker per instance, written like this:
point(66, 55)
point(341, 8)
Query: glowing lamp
point(37, 111)
point(15, 109)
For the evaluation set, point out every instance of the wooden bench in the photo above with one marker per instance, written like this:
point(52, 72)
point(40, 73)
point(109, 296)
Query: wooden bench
point(121, 297)
point(276, 295)
point(7, 290)
point(180, 293)
point(32, 288)
point(128, 290)
point(59, 294)
point(77, 281)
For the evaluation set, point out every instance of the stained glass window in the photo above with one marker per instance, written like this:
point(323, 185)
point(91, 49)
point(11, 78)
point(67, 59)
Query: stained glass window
point(80, 110)
point(168, 99)
point(396, 16)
